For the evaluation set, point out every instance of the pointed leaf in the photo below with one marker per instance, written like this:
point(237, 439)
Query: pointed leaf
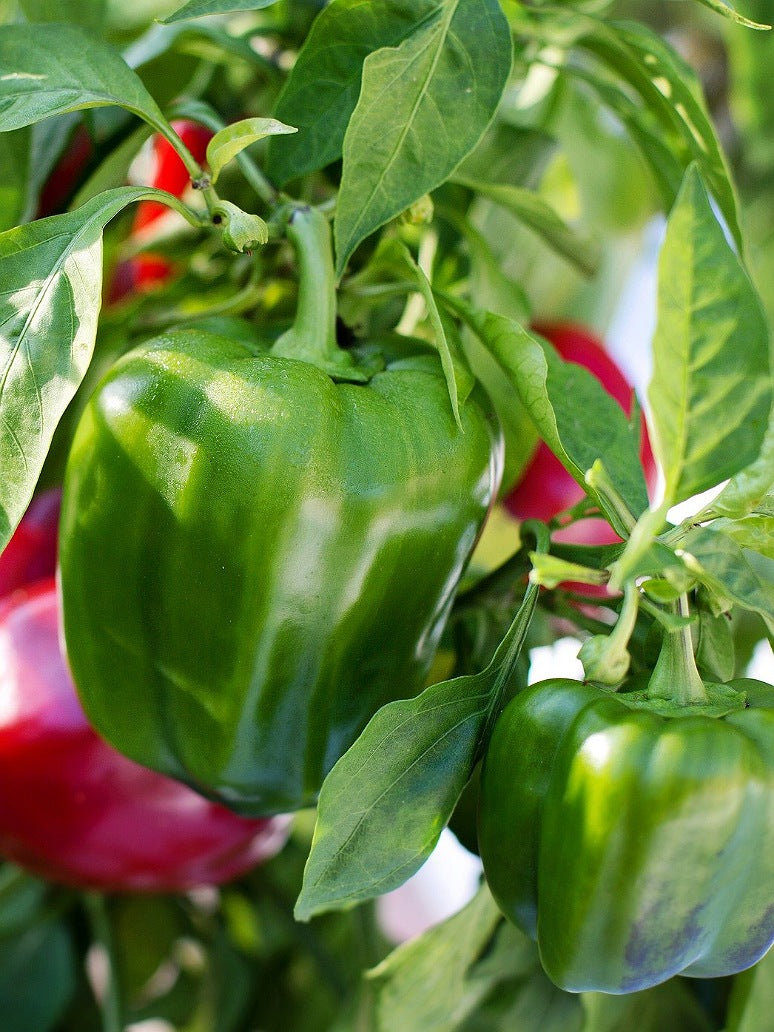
point(387, 800)
point(711, 389)
point(323, 86)
point(226, 144)
point(35, 80)
point(724, 8)
point(51, 271)
point(423, 107)
point(201, 8)
point(573, 413)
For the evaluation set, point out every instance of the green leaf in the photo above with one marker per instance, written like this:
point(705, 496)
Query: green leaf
point(42, 957)
point(88, 13)
point(755, 532)
point(721, 7)
point(665, 1008)
point(531, 1004)
point(425, 985)
point(226, 144)
point(14, 168)
point(549, 571)
point(720, 564)
point(714, 646)
point(51, 271)
point(711, 390)
point(387, 800)
point(323, 86)
point(752, 490)
point(423, 107)
point(459, 379)
point(22, 900)
point(540, 217)
point(752, 998)
point(573, 413)
point(201, 8)
point(670, 90)
point(36, 82)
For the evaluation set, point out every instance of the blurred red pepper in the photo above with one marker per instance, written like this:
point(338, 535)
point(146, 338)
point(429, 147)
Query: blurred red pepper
point(61, 184)
point(74, 810)
point(30, 555)
point(167, 173)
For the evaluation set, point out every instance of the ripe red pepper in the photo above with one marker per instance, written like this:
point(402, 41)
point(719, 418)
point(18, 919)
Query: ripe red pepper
point(74, 810)
point(168, 173)
point(546, 488)
point(61, 184)
point(30, 555)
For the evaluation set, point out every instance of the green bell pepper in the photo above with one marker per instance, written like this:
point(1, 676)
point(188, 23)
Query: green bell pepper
point(632, 845)
point(259, 550)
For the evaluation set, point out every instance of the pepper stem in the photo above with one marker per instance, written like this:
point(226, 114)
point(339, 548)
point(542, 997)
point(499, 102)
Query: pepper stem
point(675, 676)
point(312, 337)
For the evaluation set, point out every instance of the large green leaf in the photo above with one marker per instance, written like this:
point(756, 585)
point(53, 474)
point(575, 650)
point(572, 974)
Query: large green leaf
point(324, 83)
point(201, 8)
point(387, 800)
point(51, 271)
point(573, 413)
point(711, 389)
point(52, 69)
point(423, 107)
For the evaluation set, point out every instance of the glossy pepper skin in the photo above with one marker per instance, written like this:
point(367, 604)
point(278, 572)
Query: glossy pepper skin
point(255, 556)
point(631, 846)
point(74, 810)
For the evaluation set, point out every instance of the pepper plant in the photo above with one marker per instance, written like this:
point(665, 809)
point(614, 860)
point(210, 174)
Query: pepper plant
point(312, 316)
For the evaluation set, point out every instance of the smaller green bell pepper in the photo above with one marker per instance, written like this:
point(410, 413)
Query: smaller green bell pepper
point(632, 845)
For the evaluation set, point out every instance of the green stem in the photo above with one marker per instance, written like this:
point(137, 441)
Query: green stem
point(599, 481)
point(110, 1001)
point(312, 337)
point(256, 179)
point(675, 676)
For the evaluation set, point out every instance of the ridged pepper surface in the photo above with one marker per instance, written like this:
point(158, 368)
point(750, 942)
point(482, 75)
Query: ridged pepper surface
point(632, 846)
point(256, 555)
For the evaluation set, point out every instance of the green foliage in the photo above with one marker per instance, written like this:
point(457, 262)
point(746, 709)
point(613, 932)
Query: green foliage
point(444, 82)
point(711, 353)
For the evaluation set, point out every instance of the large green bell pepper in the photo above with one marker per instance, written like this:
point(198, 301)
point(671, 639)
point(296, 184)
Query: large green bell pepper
point(256, 555)
point(633, 846)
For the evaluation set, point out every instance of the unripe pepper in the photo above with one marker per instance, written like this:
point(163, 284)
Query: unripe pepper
point(632, 844)
point(260, 548)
